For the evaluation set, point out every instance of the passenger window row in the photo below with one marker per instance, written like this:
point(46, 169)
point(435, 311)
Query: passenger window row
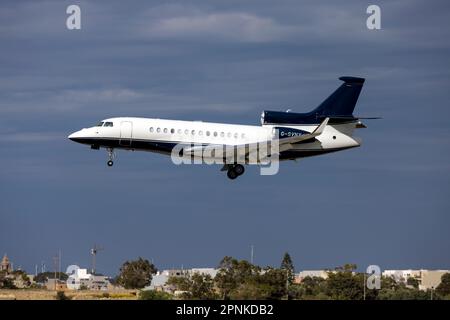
point(200, 133)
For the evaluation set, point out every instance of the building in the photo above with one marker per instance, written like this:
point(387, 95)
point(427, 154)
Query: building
point(204, 271)
point(401, 276)
point(310, 273)
point(55, 284)
point(427, 279)
point(6, 265)
point(80, 278)
point(430, 279)
point(159, 280)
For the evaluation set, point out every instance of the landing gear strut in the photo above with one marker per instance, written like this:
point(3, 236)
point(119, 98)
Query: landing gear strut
point(235, 171)
point(111, 156)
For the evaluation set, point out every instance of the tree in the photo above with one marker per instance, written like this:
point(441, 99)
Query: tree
point(6, 282)
point(234, 273)
point(443, 288)
point(413, 282)
point(136, 274)
point(198, 286)
point(311, 288)
point(288, 266)
point(401, 292)
point(275, 281)
point(344, 285)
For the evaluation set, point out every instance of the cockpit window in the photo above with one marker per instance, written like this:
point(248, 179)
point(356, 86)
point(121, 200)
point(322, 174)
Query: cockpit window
point(100, 124)
point(108, 124)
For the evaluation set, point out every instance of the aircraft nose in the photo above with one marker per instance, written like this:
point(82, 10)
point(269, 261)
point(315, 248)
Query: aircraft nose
point(75, 136)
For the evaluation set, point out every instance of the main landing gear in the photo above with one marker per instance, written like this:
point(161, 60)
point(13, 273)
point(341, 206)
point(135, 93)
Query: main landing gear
point(235, 171)
point(111, 156)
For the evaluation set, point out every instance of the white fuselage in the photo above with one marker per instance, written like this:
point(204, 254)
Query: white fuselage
point(137, 133)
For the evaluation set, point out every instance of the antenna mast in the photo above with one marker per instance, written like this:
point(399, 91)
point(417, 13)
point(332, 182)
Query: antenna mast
point(94, 252)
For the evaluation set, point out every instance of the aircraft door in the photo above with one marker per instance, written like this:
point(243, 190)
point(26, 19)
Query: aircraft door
point(126, 133)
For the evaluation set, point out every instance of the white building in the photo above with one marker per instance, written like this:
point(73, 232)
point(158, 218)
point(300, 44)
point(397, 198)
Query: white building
point(310, 273)
point(402, 275)
point(204, 271)
point(79, 278)
point(428, 279)
point(159, 280)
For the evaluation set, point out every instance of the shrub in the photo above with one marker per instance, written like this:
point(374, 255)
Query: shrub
point(60, 295)
point(154, 295)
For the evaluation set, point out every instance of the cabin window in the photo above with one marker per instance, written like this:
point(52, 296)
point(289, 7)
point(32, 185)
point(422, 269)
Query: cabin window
point(158, 130)
point(100, 124)
point(186, 131)
point(208, 133)
point(243, 136)
point(172, 131)
point(215, 133)
point(165, 130)
point(193, 132)
point(151, 129)
point(222, 134)
point(235, 135)
point(229, 134)
point(179, 131)
point(108, 124)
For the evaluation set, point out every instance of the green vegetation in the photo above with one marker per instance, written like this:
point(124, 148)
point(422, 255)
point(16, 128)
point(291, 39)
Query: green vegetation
point(60, 295)
point(154, 295)
point(44, 276)
point(235, 280)
point(286, 264)
point(136, 274)
point(194, 287)
point(443, 288)
point(413, 282)
point(239, 279)
point(6, 282)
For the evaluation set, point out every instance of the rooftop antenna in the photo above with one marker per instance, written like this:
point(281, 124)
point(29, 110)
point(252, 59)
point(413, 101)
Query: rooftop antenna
point(59, 263)
point(94, 252)
point(56, 267)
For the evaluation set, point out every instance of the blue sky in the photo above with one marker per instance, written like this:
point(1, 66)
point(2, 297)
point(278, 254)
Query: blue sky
point(385, 203)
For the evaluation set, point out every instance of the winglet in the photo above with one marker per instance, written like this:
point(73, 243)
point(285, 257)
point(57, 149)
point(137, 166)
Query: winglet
point(318, 131)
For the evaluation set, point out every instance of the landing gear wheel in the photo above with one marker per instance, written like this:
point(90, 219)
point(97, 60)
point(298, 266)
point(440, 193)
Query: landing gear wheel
point(232, 174)
point(110, 157)
point(239, 169)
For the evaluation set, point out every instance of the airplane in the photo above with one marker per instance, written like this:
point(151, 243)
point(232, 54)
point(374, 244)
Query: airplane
point(327, 128)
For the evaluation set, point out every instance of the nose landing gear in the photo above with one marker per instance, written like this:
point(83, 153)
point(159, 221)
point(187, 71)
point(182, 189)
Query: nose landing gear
point(111, 156)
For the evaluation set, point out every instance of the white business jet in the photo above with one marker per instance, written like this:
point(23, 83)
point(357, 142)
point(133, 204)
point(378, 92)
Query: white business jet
point(327, 128)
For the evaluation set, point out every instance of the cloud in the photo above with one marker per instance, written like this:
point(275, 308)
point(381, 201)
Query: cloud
point(219, 26)
point(28, 137)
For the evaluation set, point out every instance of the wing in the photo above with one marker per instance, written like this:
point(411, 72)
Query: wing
point(245, 150)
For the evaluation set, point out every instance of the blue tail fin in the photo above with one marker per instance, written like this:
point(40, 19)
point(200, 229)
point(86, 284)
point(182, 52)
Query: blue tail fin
point(338, 107)
point(341, 102)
